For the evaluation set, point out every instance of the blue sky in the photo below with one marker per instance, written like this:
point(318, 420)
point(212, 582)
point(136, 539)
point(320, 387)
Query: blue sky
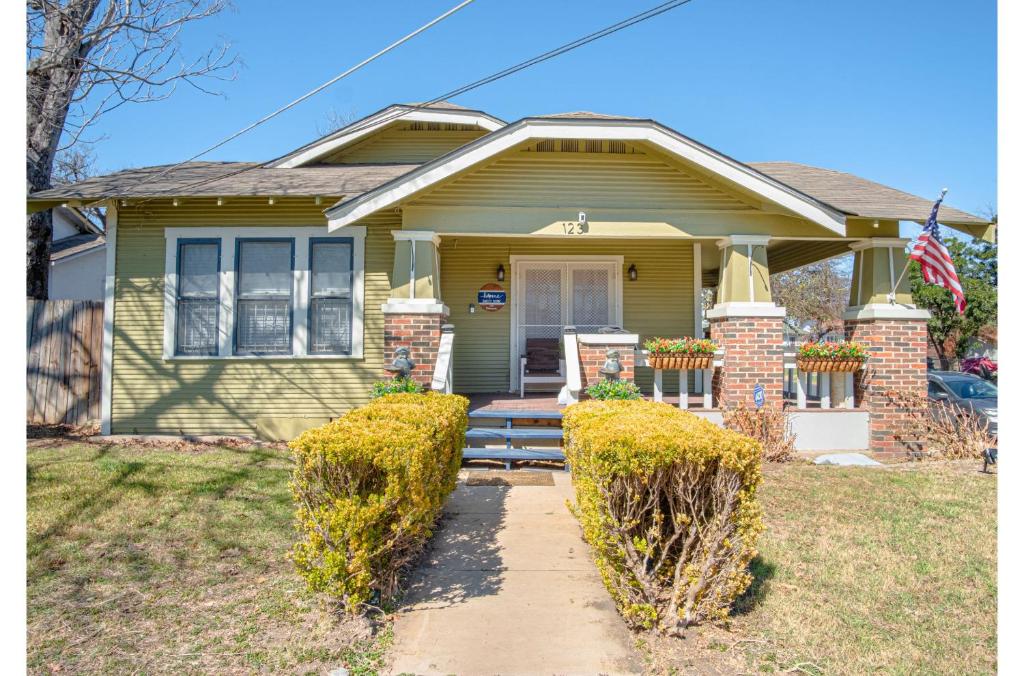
point(901, 92)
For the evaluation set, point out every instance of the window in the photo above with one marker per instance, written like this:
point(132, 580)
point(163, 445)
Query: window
point(239, 292)
point(263, 299)
point(197, 297)
point(330, 296)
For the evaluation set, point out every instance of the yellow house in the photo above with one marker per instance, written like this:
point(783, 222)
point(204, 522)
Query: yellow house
point(263, 298)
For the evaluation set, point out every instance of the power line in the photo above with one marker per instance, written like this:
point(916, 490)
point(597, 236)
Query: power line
point(314, 92)
point(511, 70)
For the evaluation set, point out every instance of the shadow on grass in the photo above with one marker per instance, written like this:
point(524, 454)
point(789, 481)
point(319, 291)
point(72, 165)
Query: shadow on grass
point(763, 571)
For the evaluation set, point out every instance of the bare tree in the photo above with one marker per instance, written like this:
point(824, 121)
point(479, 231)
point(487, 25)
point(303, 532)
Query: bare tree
point(334, 121)
point(817, 292)
point(89, 57)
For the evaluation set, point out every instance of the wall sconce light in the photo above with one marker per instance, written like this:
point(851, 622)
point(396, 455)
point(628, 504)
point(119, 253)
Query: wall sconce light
point(632, 272)
point(501, 273)
point(472, 309)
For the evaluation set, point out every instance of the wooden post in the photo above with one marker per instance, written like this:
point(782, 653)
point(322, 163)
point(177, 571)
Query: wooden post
point(684, 394)
point(825, 389)
point(657, 385)
point(707, 375)
point(801, 390)
point(848, 390)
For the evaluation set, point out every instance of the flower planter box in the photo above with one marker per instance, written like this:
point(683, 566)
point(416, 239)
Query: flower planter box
point(818, 365)
point(680, 361)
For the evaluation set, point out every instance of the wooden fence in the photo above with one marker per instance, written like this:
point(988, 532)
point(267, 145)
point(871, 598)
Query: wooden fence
point(65, 357)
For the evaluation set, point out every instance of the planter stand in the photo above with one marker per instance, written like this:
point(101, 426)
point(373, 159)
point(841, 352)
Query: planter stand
point(703, 381)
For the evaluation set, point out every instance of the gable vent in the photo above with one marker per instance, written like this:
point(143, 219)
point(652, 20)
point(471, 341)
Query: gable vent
point(570, 145)
point(547, 146)
point(616, 146)
point(593, 146)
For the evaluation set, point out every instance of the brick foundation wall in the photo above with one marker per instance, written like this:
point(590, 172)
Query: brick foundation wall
point(898, 362)
point(421, 333)
point(593, 356)
point(753, 354)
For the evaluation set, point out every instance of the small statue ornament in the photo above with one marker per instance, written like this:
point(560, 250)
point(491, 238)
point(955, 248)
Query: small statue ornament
point(401, 366)
point(612, 368)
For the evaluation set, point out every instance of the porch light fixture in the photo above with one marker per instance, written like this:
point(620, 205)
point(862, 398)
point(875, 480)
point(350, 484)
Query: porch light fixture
point(632, 272)
point(472, 308)
point(501, 273)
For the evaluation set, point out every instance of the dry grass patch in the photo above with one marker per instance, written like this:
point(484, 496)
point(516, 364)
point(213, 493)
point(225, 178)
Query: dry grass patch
point(157, 561)
point(861, 571)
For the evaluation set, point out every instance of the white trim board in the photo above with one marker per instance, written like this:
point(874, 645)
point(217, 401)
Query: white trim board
point(107, 376)
point(508, 137)
point(300, 287)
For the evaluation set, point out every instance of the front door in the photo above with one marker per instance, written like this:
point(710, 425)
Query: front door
point(551, 295)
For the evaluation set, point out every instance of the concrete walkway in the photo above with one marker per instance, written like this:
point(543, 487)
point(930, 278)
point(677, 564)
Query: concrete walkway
point(509, 588)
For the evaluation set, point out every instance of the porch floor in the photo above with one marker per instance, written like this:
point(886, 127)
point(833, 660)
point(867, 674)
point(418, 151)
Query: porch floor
point(548, 401)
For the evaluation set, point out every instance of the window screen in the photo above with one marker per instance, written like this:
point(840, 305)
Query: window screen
point(197, 297)
point(330, 297)
point(263, 308)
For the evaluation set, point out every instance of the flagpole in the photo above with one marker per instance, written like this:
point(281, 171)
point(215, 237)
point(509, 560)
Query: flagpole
point(892, 294)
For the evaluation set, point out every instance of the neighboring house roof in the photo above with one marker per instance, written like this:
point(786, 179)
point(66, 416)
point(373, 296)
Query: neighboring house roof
point(79, 220)
point(227, 179)
point(860, 197)
point(67, 247)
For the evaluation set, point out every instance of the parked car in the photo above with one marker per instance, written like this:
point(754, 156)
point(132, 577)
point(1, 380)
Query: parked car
point(975, 396)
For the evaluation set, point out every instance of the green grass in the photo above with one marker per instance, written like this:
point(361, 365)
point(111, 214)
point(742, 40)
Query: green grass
point(867, 570)
point(156, 560)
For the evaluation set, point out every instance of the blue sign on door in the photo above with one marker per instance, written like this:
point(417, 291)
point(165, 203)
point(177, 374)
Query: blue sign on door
point(758, 395)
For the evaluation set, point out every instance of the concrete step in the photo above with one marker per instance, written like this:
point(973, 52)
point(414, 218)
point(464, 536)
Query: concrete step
point(504, 433)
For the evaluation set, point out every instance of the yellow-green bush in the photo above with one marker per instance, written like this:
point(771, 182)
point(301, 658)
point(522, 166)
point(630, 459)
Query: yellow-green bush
point(667, 502)
point(369, 487)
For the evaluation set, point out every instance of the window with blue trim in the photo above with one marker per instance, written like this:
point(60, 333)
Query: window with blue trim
point(198, 297)
point(263, 298)
point(330, 296)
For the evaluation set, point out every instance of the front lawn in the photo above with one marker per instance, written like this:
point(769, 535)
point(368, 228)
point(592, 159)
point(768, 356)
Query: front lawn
point(156, 560)
point(862, 571)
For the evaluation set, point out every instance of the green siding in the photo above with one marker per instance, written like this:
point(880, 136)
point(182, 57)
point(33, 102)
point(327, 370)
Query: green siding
point(151, 395)
point(407, 142)
point(660, 302)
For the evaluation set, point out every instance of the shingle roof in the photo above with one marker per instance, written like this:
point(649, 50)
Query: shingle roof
point(858, 196)
point(216, 179)
point(75, 244)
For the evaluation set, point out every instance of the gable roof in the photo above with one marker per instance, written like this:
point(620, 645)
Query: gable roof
point(442, 111)
point(348, 210)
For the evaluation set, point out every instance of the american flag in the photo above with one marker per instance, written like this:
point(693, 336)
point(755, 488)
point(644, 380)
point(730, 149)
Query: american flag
point(936, 265)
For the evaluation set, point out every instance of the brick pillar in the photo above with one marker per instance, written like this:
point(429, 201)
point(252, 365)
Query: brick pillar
point(593, 356)
point(897, 339)
point(418, 331)
point(751, 336)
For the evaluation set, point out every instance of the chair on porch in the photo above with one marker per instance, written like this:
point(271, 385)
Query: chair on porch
point(541, 364)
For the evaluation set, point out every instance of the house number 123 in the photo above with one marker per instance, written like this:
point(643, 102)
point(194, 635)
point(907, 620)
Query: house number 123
point(573, 228)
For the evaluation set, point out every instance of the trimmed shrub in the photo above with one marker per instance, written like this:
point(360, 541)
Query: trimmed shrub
point(767, 424)
point(395, 386)
point(667, 502)
point(369, 487)
point(614, 389)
